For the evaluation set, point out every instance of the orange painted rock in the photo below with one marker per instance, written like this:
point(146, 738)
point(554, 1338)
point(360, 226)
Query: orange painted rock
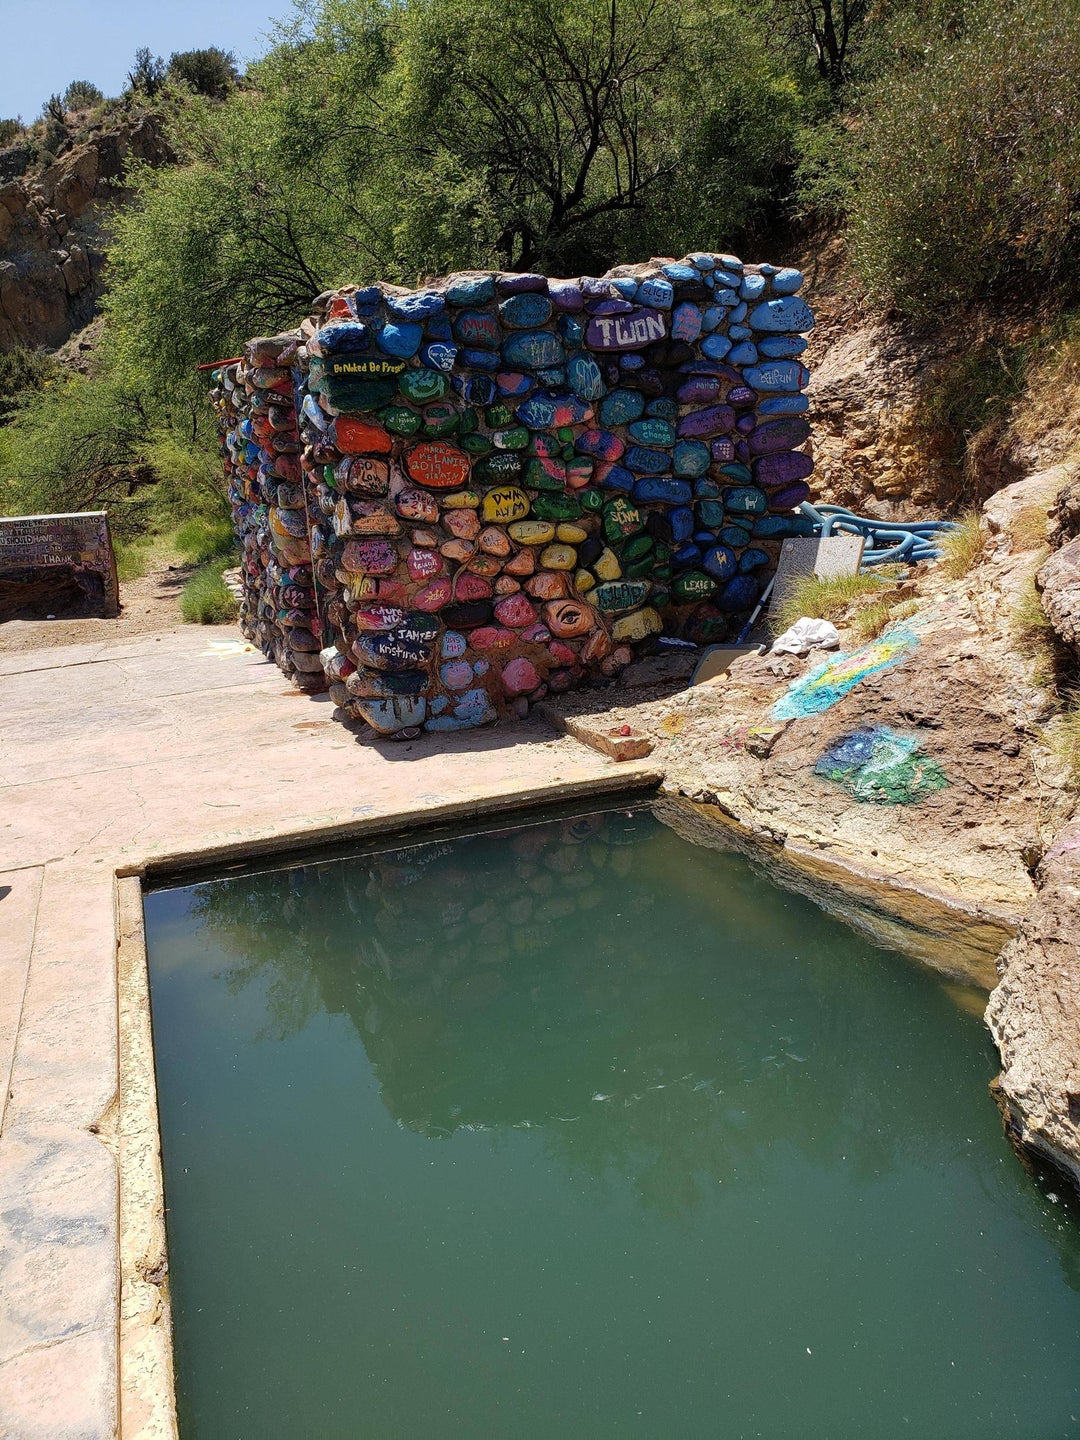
point(458, 549)
point(465, 524)
point(547, 586)
point(426, 539)
point(415, 505)
point(569, 618)
point(493, 541)
point(438, 465)
point(523, 564)
point(507, 585)
point(596, 646)
point(358, 437)
point(485, 565)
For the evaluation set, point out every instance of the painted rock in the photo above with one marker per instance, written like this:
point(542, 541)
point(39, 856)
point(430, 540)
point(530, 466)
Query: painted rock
point(439, 356)
point(778, 375)
point(583, 581)
point(392, 652)
point(459, 550)
point(722, 450)
point(685, 322)
point(364, 476)
point(752, 287)
point(585, 379)
point(493, 637)
point(789, 496)
point(715, 346)
point(532, 532)
point(513, 437)
point(520, 676)
point(425, 539)
point(698, 389)
point(441, 417)
point(533, 350)
point(637, 548)
point(571, 534)
point(456, 674)
point(558, 557)
point(460, 500)
point(562, 654)
point(474, 708)
point(467, 615)
point(682, 524)
point(790, 313)
point(745, 500)
point(578, 473)
point(632, 330)
point(464, 524)
point(600, 444)
point(504, 504)
point(360, 437)
point(643, 461)
point(620, 595)
point(521, 564)
point(740, 593)
point(597, 645)
point(401, 340)
point(742, 397)
point(693, 585)
point(656, 292)
point(638, 625)
point(547, 585)
point(543, 473)
point(416, 505)
point(373, 517)
point(776, 435)
point(567, 619)
point(752, 559)
point(437, 464)
point(736, 471)
point(662, 488)
point(507, 585)
point(421, 385)
point(712, 420)
point(621, 519)
point(434, 596)
point(556, 507)
point(478, 329)
point(615, 477)
point(512, 383)
point(471, 587)
point(374, 618)
point(515, 612)
point(566, 296)
point(691, 457)
point(652, 432)
point(370, 557)
point(782, 468)
point(526, 311)
point(787, 281)
point(494, 541)
point(388, 717)
point(501, 468)
point(471, 289)
point(453, 645)
point(720, 562)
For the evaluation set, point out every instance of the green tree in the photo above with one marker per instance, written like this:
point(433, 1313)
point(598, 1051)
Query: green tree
point(209, 72)
point(147, 74)
point(81, 95)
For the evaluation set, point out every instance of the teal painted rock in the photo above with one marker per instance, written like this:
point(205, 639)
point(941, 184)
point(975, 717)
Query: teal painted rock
point(619, 595)
point(790, 313)
point(662, 489)
point(652, 432)
point(691, 457)
point(745, 500)
point(735, 471)
point(422, 385)
point(533, 350)
point(471, 289)
point(710, 514)
point(621, 407)
point(585, 379)
point(478, 329)
point(525, 312)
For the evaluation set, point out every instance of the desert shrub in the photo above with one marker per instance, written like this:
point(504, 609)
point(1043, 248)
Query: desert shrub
point(209, 72)
point(9, 131)
point(82, 95)
point(22, 371)
point(968, 157)
point(206, 599)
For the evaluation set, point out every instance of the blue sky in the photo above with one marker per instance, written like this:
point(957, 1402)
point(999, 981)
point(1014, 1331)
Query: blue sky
point(46, 43)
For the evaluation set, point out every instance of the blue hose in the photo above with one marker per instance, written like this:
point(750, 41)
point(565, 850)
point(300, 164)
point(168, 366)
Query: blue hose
point(888, 542)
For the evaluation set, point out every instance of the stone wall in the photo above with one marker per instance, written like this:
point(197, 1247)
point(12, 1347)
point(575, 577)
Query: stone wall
point(512, 483)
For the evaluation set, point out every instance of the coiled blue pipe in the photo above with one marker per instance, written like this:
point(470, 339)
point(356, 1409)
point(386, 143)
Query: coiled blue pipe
point(887, 542)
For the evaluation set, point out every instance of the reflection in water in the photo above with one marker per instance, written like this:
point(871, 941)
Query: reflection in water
point(672, 1130)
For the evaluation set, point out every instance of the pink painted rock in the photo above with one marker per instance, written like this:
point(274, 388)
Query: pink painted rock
point(465, 524)
point(424, 564)
point(416, 505)
point(494, 541)
point(562, 654)
point(520, 676)
point(548, 586)
point(471, 587)
point(456, 674)
point(378, 617)
point(434, 596)
point(516, 612)
point(521, 564)
point(536, 635)
point(370, 557)
point(492, 637)
point(569, 618)
point(426, 539)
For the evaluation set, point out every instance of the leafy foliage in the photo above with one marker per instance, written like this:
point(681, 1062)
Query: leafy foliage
point(208, 72)
point(147, 74)
point(9, 131)
point(82, 95)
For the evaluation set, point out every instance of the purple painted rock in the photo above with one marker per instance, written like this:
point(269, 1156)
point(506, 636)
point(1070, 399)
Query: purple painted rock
point(566, 296)
point(686, 322)
point(698, 389)
point(722, 450)
point(714, 420)
point(741, 396)
point(370, 557)
point(782, 468)
point(520, 677)
point(516, 612)
point(789, 497)
point(634, 330)
point(747, 423)
point(525, 283)
point(777, 435)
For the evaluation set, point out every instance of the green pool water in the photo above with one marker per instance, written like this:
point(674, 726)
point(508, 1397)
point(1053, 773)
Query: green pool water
point(573, 1129)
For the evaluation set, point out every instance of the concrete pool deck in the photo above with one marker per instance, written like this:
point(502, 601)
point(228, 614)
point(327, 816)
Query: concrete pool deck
point(115, 756)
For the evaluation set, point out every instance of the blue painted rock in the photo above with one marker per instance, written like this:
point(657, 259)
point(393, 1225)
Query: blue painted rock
point(346, 337)
point(782, 468)
point(752, 287)
point(600, 444)
point(778, 375)
point(552, 377)
point(621, 407)
point(519, 284)
point(609, 305)
point(482, 359)
point(652, 432)
point(713, 420)
point(784, 405)
point(686, 554)
point(389, 717)
point(744, 354)
point(787, 281)
point(420, 305)
point(720, 562)
point(715, 346)
point(690, 458)
point(473, 709)
point(745, 500)
point(456, 674)
point(633, 331)
point(702, 260)
point(401, 340)
point(789, 497)
point(619, 595)
point(471, 289)
point(686, 322)
point(710, 513)
point(682, 524)
point(439, 356)
point(741, 396)
point(777, 435)
point(740, 593)
point(733, 535)
point(661, 489)
point(453, 645)
point(477, 389)
point(628, 361)
point(585, 379)
point(643, 461)
point(566, 296)
point(781, 347)
point(478, 329)
point(790, 313)
point(526, 311)
point(680, 272)
point(615, 477)
point(656, 292)
point(513, 384)
point(752, 559)
point(533, 350)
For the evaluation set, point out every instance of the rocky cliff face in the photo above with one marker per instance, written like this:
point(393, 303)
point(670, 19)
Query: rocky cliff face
point(51, 234)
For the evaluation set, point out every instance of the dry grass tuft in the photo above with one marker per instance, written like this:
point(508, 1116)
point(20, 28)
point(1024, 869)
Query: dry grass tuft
point(1065, 738)
point(825, 599)
point(1029, 528)
point(1032, 634)
point(963, 545)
